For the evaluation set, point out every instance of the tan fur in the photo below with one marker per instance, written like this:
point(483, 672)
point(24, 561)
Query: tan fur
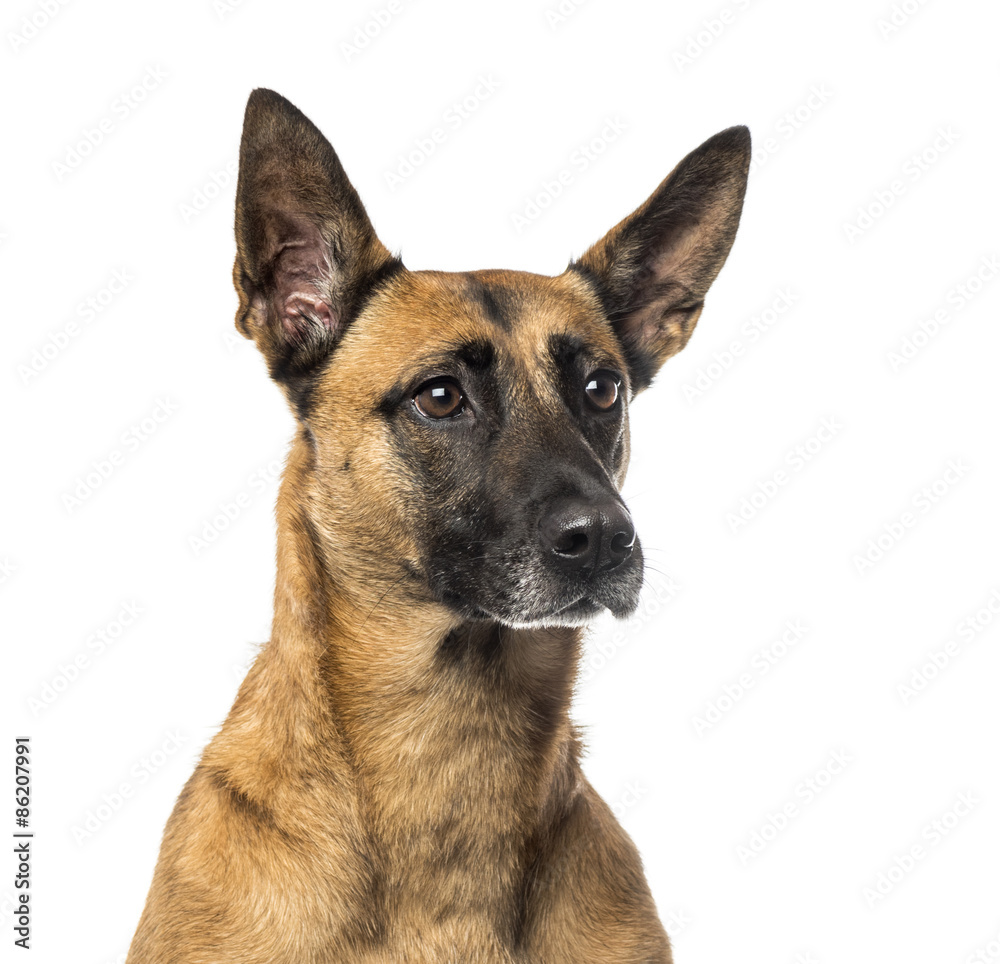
point(368, 801)
point(336, 791)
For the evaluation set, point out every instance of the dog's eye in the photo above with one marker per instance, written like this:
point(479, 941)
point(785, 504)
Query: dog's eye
point(602, 390)
point(441, 398)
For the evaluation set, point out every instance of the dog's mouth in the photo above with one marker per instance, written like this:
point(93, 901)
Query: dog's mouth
point(533, 599)
point(577, 613)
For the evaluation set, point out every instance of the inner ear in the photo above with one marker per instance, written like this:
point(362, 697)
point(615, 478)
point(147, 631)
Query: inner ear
point(307, 256)
point(302, 311)
point(303, 279)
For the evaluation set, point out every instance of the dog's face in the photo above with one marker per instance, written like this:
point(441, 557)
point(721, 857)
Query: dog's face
point(486, 415)
point(478, 420)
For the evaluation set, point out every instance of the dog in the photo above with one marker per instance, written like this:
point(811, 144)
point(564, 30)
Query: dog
point(398, 779)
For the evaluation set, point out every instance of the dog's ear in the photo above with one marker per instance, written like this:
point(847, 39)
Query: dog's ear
point(652, 270)
point(306, 253)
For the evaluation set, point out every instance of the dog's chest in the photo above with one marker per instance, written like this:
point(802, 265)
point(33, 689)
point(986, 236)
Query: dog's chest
point(451, 805)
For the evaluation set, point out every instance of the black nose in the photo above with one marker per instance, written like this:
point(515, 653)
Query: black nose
point(584, 534)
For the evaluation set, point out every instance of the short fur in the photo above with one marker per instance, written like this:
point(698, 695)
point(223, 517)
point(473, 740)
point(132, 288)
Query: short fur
point(398, 779)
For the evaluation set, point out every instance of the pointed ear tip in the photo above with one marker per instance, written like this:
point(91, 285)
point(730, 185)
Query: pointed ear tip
point(263, 101)
point(732, 138)
point(263, 95)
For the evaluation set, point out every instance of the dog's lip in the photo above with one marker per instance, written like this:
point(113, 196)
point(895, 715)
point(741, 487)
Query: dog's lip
point(575, 604)
point(585, 600)
point(582, 605)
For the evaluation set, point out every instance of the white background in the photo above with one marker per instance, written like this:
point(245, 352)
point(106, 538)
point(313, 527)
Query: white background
point(851, 104)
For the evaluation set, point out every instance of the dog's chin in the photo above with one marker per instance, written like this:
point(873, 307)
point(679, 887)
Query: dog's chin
point(579, 612)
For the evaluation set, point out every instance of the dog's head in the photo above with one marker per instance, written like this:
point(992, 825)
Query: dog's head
point(469, 431)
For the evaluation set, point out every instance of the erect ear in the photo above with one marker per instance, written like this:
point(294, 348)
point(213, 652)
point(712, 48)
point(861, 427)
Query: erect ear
point(652, 270)
point(306, 253)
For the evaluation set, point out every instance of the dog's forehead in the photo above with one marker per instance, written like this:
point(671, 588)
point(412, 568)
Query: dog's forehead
point(424, 315)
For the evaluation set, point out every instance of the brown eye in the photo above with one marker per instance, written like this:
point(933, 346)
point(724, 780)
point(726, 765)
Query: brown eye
point(602, 390)
point(441, 398)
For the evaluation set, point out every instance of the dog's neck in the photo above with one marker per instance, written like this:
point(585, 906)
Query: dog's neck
point(456, 735)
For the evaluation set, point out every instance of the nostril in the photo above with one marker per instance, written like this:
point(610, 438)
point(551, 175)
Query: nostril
point(622, 542)
point(573, 544)
point(572, 533)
